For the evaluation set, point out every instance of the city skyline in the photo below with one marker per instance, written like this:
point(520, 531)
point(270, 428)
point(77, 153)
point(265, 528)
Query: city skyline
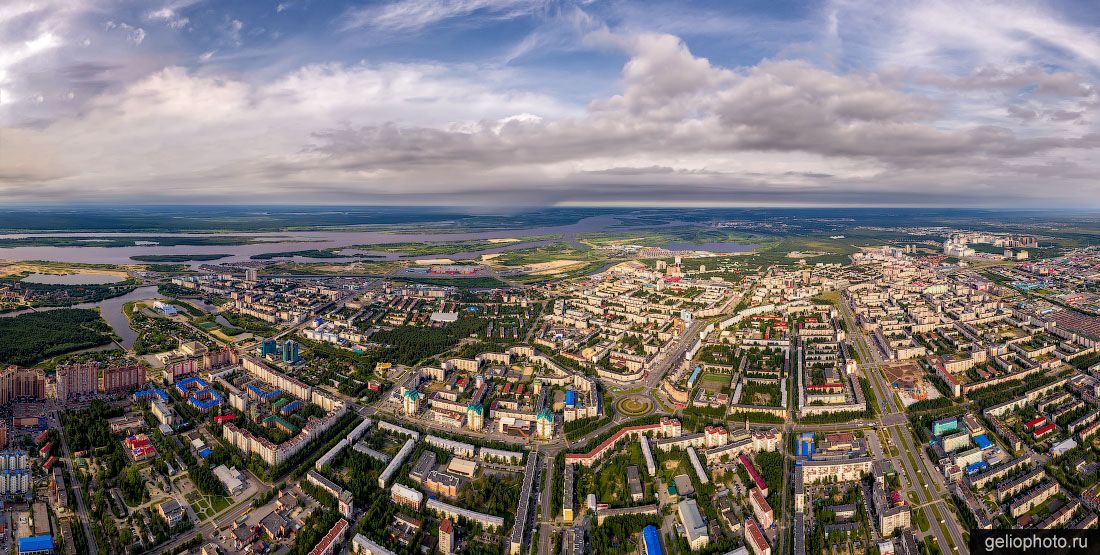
point(551, 102)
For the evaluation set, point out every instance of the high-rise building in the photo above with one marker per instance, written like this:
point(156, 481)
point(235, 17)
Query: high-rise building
point(475, 416)
point(411, 402)
point(544, 425)
point(269, 347)
point(251, 274)
point(446, 537)
point(15, 476)
point(22, 383)
point(290, 351)
point(115, 379)
point(74, 380)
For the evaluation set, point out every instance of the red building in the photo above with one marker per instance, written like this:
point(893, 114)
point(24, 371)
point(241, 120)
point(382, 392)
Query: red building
point(753, 474)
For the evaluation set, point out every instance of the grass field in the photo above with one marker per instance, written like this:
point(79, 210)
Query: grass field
point(546, 253)
point(714, 383)
point(447, 247)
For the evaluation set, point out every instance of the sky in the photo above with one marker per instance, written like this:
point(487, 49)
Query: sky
point(551, 102)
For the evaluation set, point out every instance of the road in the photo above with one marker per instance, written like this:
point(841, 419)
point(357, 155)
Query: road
point(81, 512)
point(211, 527)
point(912, 461)
point(672, 355)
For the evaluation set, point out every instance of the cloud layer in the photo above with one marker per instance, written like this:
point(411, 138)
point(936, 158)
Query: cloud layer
point(886, 104)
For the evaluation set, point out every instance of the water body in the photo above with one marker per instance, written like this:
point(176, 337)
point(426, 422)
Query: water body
point(275, 242)
point(727, 247)
point(111, 309)
point(73, 279)
point(210, 309)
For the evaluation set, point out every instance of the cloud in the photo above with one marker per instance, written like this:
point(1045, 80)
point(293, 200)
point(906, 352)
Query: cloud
point(412, 15)
point(673, 101)
point(134, 34)
point(887, 112)
point(170, 13)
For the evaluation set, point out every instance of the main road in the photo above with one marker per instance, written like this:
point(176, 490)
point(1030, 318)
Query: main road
point(892, 419)
point(81, 512)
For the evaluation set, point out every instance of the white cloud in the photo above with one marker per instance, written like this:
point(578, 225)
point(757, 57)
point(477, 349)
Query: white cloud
point(134, 34)
point(917, 109)
point(170, 15)
point(679, 124)
point(401, 15)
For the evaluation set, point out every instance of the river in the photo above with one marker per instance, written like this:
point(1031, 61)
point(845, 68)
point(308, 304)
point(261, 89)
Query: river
point(290, 241)
point(111, 309)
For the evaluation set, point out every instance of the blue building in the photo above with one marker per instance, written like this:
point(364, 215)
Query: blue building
point(290, 351)
point(945, 425)
point(976, 467)
point(694, 376)
point(806, 444)
point(269, 347)
point(570, 398)
point(652, 541)
point(982, 442)
point(36, 545)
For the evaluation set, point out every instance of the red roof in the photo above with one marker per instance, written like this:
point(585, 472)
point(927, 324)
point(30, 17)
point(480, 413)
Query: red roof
point(334, 534)
point(756, 536)
point(1044, 430)
point(1032, 423)
point(610, 441)
point(753, 473)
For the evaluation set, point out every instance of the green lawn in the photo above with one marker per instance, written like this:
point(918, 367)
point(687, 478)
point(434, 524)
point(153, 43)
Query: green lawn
point(920, 520)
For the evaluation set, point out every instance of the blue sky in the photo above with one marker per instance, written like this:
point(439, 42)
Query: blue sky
point(846, 102)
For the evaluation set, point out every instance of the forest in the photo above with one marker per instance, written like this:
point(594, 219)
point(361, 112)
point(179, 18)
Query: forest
point(620, 534)
point(36, 336)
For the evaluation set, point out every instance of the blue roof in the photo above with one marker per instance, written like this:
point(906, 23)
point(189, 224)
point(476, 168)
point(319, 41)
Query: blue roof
point(151, 391)
point(974, 467)
point(205, 452)
point(36, 543)
point(983, 441)
point(805, 449)
point(652, 540)
point(570, 398)
point(694, 374)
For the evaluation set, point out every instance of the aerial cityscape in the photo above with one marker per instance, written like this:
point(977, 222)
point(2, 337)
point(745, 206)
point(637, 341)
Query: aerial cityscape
point(598, 381)
point(549, 277)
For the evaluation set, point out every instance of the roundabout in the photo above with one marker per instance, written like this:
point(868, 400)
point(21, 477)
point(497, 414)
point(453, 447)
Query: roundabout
point(634, 405)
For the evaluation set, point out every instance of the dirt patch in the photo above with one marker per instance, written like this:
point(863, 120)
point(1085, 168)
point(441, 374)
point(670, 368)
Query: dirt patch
point(14, 268)
point(553, 267)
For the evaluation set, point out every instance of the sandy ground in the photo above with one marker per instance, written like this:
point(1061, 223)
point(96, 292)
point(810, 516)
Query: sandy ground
point(552, 267)
point(504, 240)
point(430, 261)
point(796, 254)
point(488, 257)
point(10, 268)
